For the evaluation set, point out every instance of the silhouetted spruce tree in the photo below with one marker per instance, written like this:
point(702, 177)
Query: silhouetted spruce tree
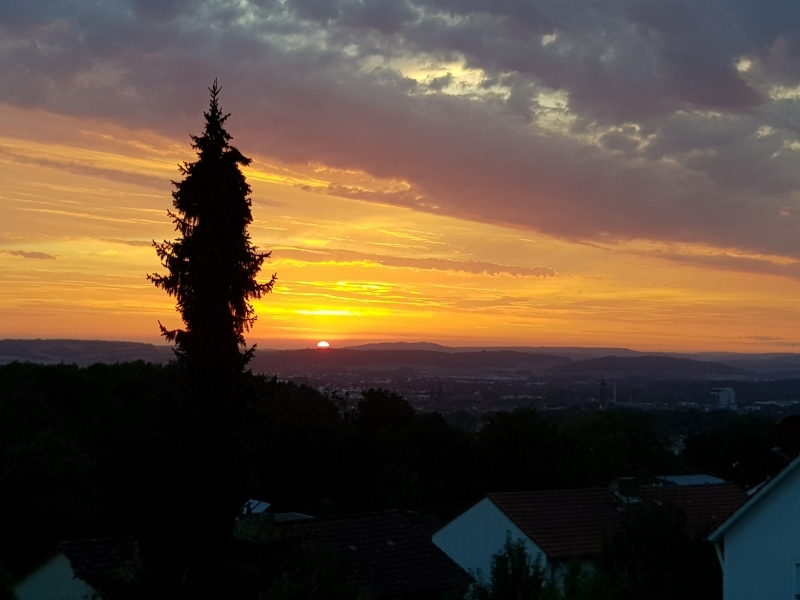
point(212, 271)
point(213, 264)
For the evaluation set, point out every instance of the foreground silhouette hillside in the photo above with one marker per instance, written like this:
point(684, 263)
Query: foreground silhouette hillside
point(102, 451)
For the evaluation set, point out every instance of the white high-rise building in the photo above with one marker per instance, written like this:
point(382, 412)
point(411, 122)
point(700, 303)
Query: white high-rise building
point(726, 397)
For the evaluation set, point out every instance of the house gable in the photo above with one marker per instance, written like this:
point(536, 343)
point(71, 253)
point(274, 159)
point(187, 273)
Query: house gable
point(566, 525)
point(475, 536)
point(53, 580)
point(759, 546)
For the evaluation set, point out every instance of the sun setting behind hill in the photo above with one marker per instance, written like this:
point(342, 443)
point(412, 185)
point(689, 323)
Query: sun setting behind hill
point(348, 269)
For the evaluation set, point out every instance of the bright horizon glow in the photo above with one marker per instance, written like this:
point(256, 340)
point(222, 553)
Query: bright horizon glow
point(82, 200)
point(323, 344)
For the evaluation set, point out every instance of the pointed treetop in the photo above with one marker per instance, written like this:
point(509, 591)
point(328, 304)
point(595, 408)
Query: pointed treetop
point(215, 138)
point(214, 109)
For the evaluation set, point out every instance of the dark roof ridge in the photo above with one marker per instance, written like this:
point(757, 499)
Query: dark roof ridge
point(549, 491)
point(604, 489)
point(386, 550)
point(98, 540)
point(372, 513)
point(572, 523)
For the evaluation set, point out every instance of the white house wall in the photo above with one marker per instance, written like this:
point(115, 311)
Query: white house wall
point(54, 580)
point(762, 550)
point(472, 538)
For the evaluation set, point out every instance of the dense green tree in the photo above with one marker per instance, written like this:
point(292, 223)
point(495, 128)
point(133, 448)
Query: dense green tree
point(655, 555)
point(605, 445)
point(212, 267)
point(6, 589)
point(520, 450)
point(515, 575)
point(46, 495)
point(739, 449)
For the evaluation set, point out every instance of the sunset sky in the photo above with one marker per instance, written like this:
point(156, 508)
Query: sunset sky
point(468, 172)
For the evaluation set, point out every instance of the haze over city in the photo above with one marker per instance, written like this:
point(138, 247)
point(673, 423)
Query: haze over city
point(475, 173)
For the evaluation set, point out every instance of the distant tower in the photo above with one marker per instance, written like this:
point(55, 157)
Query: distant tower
point(726, 398)
point(603, 392)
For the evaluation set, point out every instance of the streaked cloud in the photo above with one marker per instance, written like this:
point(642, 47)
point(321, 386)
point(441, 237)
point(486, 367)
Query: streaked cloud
point(622, 173)
point(30, 255)
point(439, 264)
point(583, 121)
point(137, 243)
point(741, 264)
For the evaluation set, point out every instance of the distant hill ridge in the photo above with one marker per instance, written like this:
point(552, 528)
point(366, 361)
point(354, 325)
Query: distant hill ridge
point(340, 358)
point(573, 352)
point(87, 352)
point(647, 366)
point(81, 352)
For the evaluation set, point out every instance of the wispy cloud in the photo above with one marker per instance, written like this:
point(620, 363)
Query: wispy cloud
point(741, 264)
point(87, 168)
point(142, 243)
point(438, 264)
point(583, 121)
point(30, 255)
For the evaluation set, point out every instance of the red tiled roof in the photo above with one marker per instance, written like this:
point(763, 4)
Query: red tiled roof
point(573, 523)
point(389, 553)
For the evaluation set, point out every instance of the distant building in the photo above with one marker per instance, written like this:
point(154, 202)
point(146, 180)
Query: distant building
point(562, 526)
point(726, 398)
point(758, 546)
point(417, 398)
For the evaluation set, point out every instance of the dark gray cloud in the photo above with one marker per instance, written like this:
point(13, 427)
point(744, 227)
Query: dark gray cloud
point(30, 255)
point(438, 264)
point(87, 168)
point(740, 264)
point(139, 243)
point(659, 119)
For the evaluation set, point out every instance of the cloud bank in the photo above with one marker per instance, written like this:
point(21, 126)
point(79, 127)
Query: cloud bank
point(670, 120)
point(30, 255)
point(437, 264)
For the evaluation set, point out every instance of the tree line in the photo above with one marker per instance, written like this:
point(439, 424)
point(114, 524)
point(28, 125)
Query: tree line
point(114, 450)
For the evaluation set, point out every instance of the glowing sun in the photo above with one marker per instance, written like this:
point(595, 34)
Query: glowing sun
point(323, 344)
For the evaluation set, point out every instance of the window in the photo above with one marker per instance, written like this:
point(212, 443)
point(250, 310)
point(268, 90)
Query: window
point(797, 581)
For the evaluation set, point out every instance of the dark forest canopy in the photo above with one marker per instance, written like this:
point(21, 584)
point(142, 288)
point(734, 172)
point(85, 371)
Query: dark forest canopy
point(99, 451)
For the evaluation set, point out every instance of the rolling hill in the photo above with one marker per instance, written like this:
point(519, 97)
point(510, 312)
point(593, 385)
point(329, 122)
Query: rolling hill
point(647, 366)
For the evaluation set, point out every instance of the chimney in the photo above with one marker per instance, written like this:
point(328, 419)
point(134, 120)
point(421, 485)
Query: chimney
point(626, 489)
point(788, 434)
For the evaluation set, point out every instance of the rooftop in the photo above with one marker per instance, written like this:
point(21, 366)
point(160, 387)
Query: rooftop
point(101, 557)
point(574, 523)
point(391, 552)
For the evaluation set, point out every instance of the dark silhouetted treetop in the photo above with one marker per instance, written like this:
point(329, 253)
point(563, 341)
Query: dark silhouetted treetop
point(212, 266)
